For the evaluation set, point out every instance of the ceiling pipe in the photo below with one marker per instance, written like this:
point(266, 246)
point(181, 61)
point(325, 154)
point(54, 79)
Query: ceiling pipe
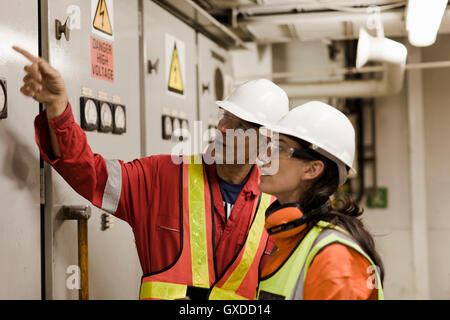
point(237, 41)
point(342, 71)
point(391, 53)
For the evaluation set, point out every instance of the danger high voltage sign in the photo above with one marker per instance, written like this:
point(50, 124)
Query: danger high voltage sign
point(102, 60)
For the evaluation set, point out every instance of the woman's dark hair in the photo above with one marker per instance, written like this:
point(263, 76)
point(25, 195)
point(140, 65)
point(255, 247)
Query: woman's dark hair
point(344, 211)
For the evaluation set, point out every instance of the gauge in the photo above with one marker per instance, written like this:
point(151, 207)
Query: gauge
point(167, 128)
point(89, 114)
point(185, 129)
point(120, 119)
point(177, 136)
point(212, 133)
point(3, 100)
point(106, 118)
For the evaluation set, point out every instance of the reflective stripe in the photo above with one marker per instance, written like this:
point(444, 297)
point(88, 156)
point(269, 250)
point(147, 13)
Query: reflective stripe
point(334, 236)
point(113, 187)
point(162, 290)
point(197, 224)
point(280, 283)
point(228, 290)
point(323, 230)
point(225, 294)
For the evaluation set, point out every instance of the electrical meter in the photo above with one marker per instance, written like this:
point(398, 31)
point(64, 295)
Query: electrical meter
point(185, 128)
point(120, 119)
point(167, 128)
point(3, 100)
point(89, 114)
point(176, 130)
point(212, 133)
point(106, 117)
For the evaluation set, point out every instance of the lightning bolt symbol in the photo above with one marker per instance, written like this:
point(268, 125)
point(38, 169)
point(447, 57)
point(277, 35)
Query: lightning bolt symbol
point(102, 13)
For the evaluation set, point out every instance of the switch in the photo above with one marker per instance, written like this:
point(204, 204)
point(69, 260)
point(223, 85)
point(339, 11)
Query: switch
point(89, 114)
point(106, 117)
point(3, 100)
point(120, 119)
point(167, 128)
point(107, 221)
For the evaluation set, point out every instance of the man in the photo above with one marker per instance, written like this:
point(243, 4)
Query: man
point(187, 244)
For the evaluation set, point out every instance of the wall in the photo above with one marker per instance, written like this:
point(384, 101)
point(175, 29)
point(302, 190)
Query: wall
point(391, 227)
point(257, 60)
point(395, 228)
point(310, 58)
point(20, 236)
point(437, 143)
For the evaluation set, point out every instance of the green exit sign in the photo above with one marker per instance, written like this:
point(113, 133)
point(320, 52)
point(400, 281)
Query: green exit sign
point(377, 198)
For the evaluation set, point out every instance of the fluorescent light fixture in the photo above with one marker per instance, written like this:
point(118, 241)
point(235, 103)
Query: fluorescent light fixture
point(423, 18)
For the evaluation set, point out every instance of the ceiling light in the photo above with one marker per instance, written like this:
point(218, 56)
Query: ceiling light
point(423, 19)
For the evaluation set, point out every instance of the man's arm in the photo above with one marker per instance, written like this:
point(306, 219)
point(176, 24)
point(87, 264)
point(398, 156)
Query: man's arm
point(112, 185)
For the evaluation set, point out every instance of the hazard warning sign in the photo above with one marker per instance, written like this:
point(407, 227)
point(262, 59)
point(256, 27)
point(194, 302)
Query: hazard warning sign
point(175, 65)
point(175, 78)
point(102, 12)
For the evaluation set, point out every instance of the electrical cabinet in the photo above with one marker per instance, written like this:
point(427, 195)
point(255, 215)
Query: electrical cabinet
point(99, 61)
point(169, 82)
point(20, 238)
point(138, 80)
point(214, 83)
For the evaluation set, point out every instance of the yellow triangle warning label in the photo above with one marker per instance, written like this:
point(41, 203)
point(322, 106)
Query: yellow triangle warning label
point(175, 78)
point(101, 19)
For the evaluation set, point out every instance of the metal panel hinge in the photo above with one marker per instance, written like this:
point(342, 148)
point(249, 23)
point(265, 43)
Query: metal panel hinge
point(42, 186)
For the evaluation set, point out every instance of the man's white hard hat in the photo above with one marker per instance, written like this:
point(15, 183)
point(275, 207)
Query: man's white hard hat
point(259, 101)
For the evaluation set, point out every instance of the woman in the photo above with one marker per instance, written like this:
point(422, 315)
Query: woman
point(323, 250)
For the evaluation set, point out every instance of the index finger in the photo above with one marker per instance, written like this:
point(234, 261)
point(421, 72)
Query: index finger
point(26, 54)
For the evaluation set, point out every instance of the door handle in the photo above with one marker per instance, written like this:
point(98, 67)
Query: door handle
point(152, 66)
point(205, 87)
point(81, 214)
point(62, 28)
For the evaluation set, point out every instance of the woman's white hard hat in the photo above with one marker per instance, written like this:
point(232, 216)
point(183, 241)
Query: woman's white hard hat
point(327, 129)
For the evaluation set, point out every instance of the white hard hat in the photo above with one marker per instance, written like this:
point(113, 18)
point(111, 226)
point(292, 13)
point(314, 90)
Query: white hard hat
point(328, 130)
point(259, 101)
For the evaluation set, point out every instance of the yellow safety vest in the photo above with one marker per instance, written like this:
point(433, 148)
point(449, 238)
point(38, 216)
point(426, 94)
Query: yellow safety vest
point(195, 264)
point(288, 281)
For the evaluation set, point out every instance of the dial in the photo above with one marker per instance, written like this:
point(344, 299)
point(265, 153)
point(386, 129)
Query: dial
point(185, 129)
point(3, 102)
point(167, 127)
point(119, 119)
point(176, 129)
point(2, 98)
point(212, 130)
point(106, 116)
point(90, 112)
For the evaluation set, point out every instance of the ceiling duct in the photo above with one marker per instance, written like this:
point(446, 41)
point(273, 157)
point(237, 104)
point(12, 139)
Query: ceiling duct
point(391, 53)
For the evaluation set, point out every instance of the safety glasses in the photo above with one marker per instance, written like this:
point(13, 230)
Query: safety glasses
point(234, 122)
point(275, 148)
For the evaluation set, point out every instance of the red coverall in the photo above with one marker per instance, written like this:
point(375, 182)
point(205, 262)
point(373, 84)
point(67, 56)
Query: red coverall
point(149, 195)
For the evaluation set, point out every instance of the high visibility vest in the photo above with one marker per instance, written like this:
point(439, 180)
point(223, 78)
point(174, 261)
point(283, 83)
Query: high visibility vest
point(288, 281)
point(195, 263)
